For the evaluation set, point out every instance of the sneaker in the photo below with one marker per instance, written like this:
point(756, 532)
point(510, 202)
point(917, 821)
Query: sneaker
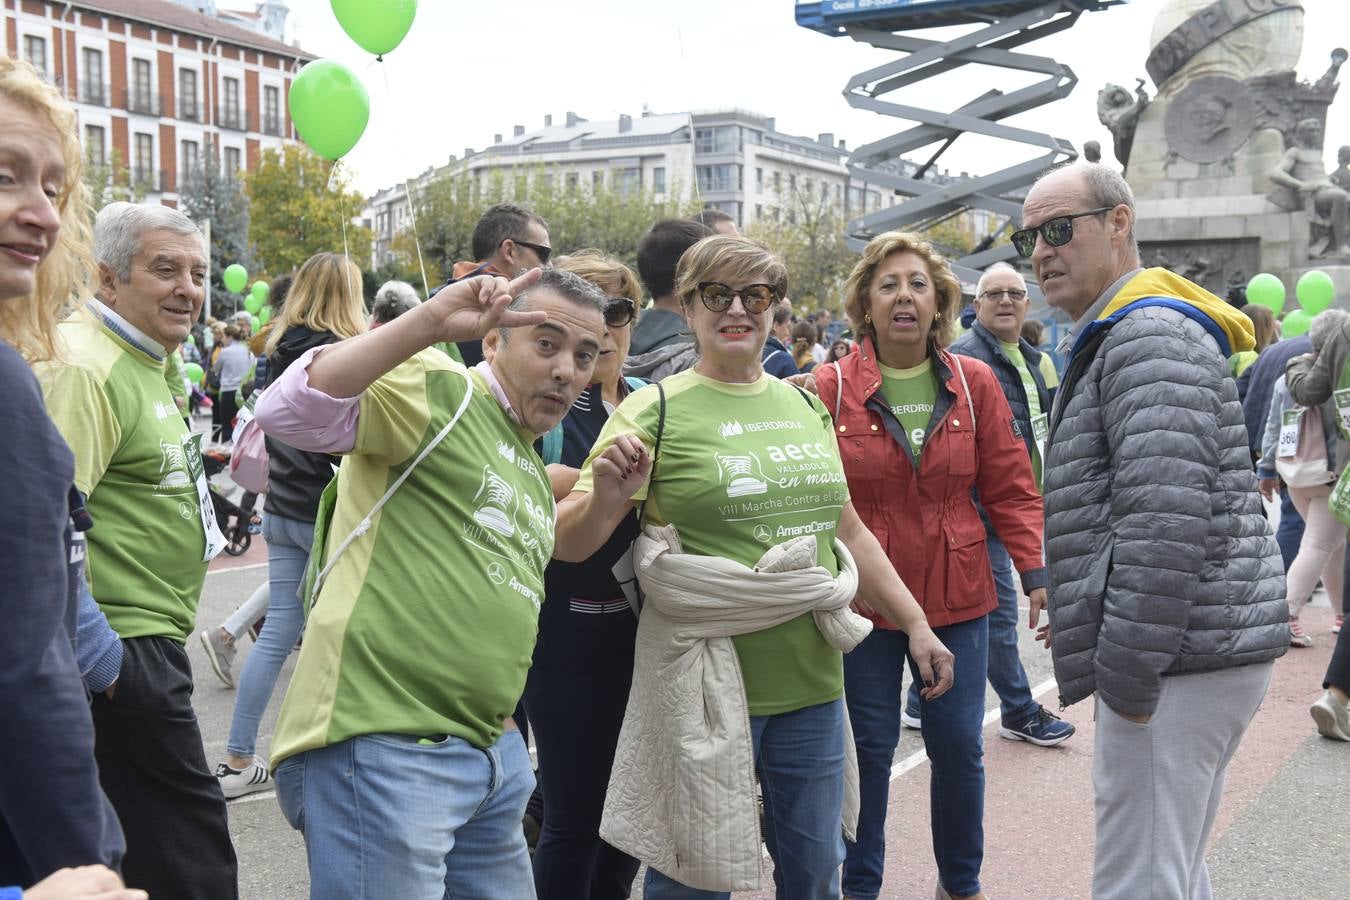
point(1336, 626)
point(219, 652)
point(910, 719)
point(238, 782)
point(1332, 717)
point(1045, 729)
point(1297, 636)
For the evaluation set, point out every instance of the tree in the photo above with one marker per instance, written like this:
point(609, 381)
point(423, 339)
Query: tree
point(296, 210)
point(209, 194)
point(109, 181)
point(609, 217)
point(806, 230)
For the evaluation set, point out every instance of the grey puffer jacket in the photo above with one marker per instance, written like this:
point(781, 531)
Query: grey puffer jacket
point(1161, 560)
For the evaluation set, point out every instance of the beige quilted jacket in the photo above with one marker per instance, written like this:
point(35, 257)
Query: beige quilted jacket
point(682, 791)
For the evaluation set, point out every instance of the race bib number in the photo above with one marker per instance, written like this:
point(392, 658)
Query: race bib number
point(1289, 432)
point(1040, 430)
point(1342, 400)
point(192, 453)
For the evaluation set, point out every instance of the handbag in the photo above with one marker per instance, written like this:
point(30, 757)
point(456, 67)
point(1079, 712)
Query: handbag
point(248, 457)
point(1305, 463)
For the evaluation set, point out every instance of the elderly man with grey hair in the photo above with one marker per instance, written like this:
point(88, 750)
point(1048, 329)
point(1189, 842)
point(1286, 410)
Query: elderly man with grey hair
point(1166, 592)
point(392, 300)
point(140, 468)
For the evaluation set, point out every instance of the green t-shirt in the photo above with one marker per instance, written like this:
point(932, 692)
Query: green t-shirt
point(426, 625)
point(910, 393)
point(1038, 422)
point(176, 381)
point(1047, 367)
point(136, 462)
point(744, 467)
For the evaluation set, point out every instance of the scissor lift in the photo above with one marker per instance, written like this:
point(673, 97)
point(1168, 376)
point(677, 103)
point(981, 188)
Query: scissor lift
point(1007, 24)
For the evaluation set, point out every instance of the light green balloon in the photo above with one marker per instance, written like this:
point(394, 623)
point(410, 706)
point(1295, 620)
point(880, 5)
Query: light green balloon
point(1296, 323)
point(235, 277)
point(1315, 291)
point(330, 107)
point(195, 373)
point(256, 323)
point(253, 303)
point(378, 26)
point(191, 339)
point(1266, 290)
point(260, 289)
point(265, 314)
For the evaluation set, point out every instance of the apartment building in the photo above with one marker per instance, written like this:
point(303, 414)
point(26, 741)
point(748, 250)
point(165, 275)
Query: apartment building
point(156, 81)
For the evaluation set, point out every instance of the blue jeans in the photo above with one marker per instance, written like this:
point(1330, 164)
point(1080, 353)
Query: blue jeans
point(386, 816)
point(288, 543)
point(1005, 661)
point(953, 736)
point(800, 759)
point(1290, 533)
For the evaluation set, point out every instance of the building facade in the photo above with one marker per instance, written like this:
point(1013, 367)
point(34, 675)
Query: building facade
point(155, 82)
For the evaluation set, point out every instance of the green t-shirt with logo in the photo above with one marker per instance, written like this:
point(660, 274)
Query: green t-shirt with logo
point(136, 462)
point(426, 625)
point(1014, 354)
point(744, 467)
point(910, 394)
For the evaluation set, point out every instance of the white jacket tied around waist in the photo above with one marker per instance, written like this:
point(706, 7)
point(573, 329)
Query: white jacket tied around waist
point(682, 791)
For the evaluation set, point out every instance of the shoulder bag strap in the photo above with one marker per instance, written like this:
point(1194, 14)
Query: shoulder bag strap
point(838, 389)
point(970, 404)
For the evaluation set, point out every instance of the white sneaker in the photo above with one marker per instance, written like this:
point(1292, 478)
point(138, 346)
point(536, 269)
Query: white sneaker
point(1332, 717)
point(911, 722)
point(238, 782)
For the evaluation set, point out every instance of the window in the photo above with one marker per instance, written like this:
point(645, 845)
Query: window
point(232, 163)
point(35, 51)
point(597, 179)
point(229, 116)
point(792, 183)
point(718, 178)
point(572, 180)
point(187, 96)
point(191, 158)
point(271, 111)
point(721, 139)
point(777, 181)
point(659, 179)
point(759, 211)
point(140, 87)
point(95, 150)
point(627, 181)
point(91, 88)
point(759, 179)
point(144, 162)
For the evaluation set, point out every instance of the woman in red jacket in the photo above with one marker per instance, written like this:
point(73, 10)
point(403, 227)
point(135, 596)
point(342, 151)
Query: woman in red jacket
point(918, 429)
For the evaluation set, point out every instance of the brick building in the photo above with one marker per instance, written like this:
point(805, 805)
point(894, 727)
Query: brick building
point(156, 81)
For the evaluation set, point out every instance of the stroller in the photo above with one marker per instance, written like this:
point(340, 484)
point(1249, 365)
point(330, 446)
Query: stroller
point(236, 519)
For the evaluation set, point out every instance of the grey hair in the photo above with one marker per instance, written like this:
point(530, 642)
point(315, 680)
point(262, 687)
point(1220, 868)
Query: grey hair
point(119, 227)
point(565, 284)
point(392, 300)
point(1324, 324)
point(999, 266)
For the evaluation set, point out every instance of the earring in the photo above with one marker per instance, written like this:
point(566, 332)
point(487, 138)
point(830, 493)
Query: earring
point(937, 318)
point(867, 318)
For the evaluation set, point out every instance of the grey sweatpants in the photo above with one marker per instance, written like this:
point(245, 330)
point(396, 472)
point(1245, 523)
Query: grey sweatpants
point(1157, 786)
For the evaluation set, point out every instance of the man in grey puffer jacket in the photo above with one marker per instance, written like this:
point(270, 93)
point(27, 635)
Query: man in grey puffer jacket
point(1166, 588)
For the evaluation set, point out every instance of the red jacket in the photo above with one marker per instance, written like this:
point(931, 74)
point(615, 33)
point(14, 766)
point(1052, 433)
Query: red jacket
point(930, 526)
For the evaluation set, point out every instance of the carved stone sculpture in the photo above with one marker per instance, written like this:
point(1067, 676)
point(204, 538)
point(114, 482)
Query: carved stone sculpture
point(1301, 175)
point(1119, 112)
point(1092, 151)
point(1341, 177)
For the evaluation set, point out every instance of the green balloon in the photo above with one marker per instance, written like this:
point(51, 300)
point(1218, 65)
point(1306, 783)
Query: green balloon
point(261, 289)
point(253, 303)
point(235, 277)
point(330, 107)
point(1315, 291)
point(255, 322)
point(191, 339)
point(194, 373)
point(1266, 290)
point(265, 314)
point(1296, 323)
point(378, 26)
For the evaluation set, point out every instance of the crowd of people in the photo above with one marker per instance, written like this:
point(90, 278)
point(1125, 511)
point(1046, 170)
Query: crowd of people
point(691, 545)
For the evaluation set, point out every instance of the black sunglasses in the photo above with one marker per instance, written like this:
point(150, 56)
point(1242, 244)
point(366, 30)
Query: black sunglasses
point(539, 249)
point(754, 297)
point(619, 311)
point(1057, 231)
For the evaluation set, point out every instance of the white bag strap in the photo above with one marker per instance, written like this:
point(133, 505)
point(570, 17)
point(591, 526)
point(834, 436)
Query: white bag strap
point(839, 388)
point(970, 404)
point(365, 523)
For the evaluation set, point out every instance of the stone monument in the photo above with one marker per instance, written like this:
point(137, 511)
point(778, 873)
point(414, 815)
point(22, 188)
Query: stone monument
point(1226, 159)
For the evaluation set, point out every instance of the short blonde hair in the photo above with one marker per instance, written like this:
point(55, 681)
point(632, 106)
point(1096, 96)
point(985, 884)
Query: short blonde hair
point(29, 323)
point(877, 250)
point(730, 256)
point(599, 268)
point(325, 296)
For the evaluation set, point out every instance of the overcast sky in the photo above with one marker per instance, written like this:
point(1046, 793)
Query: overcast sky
point(468, 70)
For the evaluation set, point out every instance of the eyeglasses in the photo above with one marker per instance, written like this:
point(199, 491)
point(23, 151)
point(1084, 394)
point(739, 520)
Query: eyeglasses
point(619, 311)
point(1013, 294)
point(1057, 231)
point(539, 249)
point(754, 297)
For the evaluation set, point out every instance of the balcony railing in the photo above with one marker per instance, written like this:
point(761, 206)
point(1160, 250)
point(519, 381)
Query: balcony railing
point(190, 110)
point(230, 118)
point(95, 93)
point(145, 103)
point(272, 126)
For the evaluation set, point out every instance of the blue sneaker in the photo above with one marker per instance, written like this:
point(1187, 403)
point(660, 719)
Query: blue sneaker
point(1045, 729)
